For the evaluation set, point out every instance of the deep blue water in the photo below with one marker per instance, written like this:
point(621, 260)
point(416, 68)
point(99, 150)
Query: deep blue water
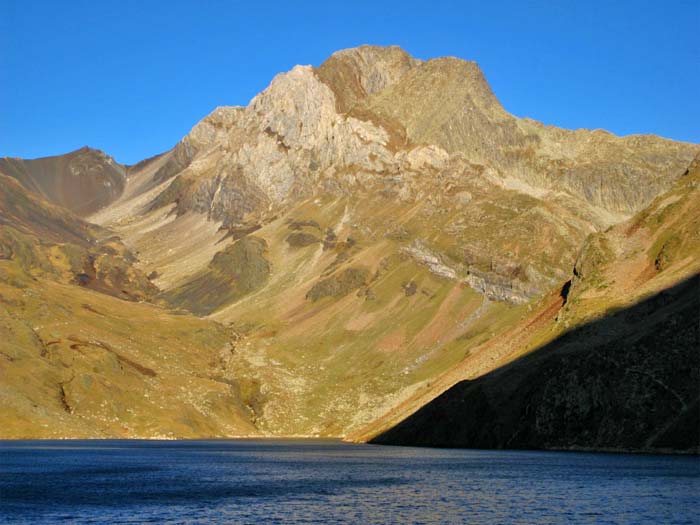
point(315, 481)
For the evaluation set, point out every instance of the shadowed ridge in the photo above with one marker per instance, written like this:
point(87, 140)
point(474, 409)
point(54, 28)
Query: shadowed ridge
point(654, 250)
point(625, 382)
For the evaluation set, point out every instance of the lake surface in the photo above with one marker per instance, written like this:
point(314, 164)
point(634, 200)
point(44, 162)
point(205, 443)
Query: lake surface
point(316, 481)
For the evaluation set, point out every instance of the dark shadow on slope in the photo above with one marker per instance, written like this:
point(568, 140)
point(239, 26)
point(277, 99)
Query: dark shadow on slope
point(628, 382)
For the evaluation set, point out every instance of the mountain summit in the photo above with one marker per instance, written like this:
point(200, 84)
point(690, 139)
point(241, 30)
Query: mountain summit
point(83, 181)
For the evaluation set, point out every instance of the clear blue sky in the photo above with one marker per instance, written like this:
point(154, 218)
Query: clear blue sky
point(132, 77)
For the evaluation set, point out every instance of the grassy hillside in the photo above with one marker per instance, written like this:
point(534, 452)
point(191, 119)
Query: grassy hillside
point(615, 364)
point(82, 356)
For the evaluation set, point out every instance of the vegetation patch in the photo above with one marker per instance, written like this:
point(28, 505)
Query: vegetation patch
point(339, 284)
point(665, 256)
point(410, 288)
point(233, 273)
point(301, 239)
point(300, 225)
point(596, 253)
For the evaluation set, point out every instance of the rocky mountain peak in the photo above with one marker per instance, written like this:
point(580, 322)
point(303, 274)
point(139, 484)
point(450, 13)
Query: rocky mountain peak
point(367, 111)
point(356, 73)
point(83, 180)
point(296, 106)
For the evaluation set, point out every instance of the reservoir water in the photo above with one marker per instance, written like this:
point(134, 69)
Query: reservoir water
point(318, 481)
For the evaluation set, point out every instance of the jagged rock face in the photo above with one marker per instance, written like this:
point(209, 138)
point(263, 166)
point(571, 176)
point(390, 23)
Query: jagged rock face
point(447, 102)
point(503, 281)
point(82, 181)
point(374, 120)
point(299, 111)
point(353, 74)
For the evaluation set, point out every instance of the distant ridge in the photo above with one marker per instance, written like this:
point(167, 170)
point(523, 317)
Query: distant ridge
point(83, 180)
